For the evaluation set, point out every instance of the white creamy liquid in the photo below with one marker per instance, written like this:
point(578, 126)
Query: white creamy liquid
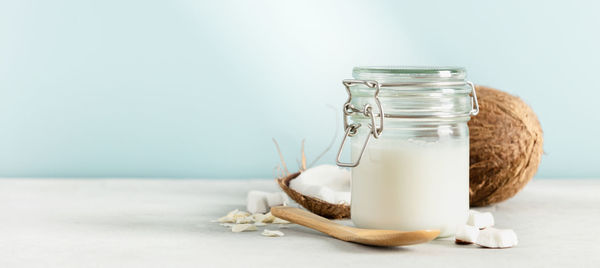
point(411, 185)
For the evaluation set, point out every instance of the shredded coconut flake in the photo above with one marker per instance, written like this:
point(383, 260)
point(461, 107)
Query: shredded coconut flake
point(271, 233)
point(243, 228)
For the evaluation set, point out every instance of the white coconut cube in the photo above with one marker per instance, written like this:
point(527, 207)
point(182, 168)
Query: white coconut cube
point(497, 238)
point(276, 199)
point(466, 234)
point(256, 202)
point(480, 220)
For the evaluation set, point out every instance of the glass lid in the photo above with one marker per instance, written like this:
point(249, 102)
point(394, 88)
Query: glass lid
point(409, 73)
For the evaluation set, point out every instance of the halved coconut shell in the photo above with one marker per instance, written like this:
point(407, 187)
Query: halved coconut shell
point(315, 205)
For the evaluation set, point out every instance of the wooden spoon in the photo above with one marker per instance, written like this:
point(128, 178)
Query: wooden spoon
point(373, 237)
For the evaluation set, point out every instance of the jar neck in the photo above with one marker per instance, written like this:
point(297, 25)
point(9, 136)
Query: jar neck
point(418, 130)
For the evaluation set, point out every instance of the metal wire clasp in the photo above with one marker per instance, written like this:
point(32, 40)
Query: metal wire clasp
point(367, 110)
point(474, 102)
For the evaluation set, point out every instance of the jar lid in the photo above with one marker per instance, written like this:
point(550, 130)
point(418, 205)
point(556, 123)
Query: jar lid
point(388, 74)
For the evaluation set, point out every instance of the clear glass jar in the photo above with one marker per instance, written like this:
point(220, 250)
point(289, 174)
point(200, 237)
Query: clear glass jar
point(409, 147)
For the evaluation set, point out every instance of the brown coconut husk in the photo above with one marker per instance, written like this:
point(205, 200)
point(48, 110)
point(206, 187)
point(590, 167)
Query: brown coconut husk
point(315, 205)
point(506, 142)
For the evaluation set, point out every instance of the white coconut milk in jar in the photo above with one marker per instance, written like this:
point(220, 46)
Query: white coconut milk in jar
point(409, 140)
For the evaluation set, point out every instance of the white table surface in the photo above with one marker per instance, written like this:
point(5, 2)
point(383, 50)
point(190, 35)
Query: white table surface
point(166, 223)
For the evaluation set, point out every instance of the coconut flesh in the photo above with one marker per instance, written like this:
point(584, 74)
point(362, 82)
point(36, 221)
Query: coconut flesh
point(325, 182)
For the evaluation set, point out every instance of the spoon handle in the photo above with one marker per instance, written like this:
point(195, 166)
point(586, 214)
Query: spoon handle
point(313, 221)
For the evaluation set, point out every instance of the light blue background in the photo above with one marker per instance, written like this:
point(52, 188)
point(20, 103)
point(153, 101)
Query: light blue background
point(198, 89)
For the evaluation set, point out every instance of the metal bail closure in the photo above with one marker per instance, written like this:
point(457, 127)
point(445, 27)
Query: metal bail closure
point(367, 110)
point(474, 102)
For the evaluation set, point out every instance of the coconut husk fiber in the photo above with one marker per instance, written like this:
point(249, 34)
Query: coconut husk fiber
point(505, 145)
point(315, 205)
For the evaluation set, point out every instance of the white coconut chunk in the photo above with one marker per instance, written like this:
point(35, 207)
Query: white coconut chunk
point(276, 199)
point(261, 202)
point(321, 192)
point(497, 238)
point(466, 234)
point(280, 221)
point(243, 228)
point(256, 202)
point(272, 233)
point(324, 182)
point(480, 220)
point(258, 224)
point(333, 177)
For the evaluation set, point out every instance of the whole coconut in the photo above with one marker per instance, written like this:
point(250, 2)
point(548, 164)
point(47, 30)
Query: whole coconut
point(505, 145)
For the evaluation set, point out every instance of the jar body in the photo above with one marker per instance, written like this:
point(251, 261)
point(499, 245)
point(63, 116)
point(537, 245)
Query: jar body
point(409, 147)
point(414, 177)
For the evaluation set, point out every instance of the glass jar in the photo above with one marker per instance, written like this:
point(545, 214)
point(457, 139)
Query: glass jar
point(409, 147)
